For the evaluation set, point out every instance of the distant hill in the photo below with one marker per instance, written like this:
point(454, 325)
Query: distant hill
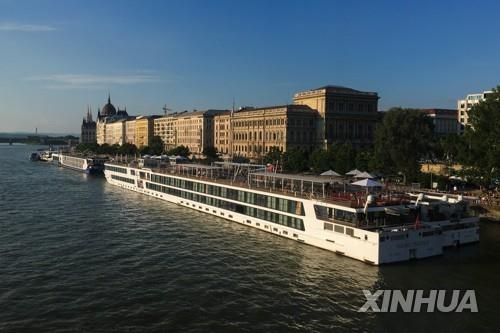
point(26, 134)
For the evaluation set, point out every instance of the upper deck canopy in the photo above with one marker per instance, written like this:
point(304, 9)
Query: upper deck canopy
point(303, 184)
point(202, 170)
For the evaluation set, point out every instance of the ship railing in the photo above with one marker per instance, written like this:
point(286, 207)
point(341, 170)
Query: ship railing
point(332, 196)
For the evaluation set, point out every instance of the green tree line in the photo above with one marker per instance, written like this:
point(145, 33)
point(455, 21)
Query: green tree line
point(405, 138)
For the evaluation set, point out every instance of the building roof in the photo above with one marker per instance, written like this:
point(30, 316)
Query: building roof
point(336, 89)
point(439, 112)
point(289, 107)
point(209, 112)
point(122, 112)
point(108, 109)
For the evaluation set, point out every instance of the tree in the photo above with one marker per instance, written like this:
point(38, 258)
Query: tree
point(211, 154)
point(87, 148)
point(343, 157)
point(273, 156)
point(106, 149)
point(295, 160)
point(482, 140)
point(127, 149)
point(401, 140)
point(179, 151)
point(364, 160)
point(320, 160)
point(156, 147)
point(144, 150)
point(240, 159)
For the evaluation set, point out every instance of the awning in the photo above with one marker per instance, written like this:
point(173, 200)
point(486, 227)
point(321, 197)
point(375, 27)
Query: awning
point(367, 183)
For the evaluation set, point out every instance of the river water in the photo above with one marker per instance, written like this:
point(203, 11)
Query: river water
point(77, 254)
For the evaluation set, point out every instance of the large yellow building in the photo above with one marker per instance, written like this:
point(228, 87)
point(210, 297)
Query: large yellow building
point(130, 131)
point(165, 128)
point(109, 126)
point(348, 115)
point(115, 132)
point(144, 130)
point(252, 132)
point(194, 130)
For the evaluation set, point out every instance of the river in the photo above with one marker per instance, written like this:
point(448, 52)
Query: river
point(77, 254)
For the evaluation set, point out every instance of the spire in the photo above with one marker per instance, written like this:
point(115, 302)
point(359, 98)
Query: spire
point(109, 97)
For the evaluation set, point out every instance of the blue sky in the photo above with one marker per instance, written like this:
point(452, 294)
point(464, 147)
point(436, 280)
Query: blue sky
point(57, 57)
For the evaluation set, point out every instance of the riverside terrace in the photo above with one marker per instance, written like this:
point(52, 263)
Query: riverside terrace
point(332, 190)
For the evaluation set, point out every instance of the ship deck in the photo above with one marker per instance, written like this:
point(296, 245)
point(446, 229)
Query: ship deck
point(331, 192)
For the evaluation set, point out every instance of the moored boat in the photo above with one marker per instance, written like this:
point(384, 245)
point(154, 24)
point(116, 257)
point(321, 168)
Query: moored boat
point(89, 165)
point(377, 229)
point(34, 157)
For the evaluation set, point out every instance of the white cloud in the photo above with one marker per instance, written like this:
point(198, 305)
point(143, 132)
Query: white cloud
point(11, 26)
point(89, 81)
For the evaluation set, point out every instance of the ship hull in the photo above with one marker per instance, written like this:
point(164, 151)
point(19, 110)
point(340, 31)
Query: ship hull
point(373, 247)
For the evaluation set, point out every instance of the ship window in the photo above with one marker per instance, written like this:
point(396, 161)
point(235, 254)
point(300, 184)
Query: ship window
point(321, 212)
point(239, 208)
point(349, 231)
point(328, 226)
point(285, 232)
point(339, 229)
point(366, 237)
point(295, 235)
point(345, 216)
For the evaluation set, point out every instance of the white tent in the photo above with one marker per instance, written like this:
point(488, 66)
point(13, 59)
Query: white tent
point(367, 183)
point(353, 172)
point(364, 175)
point(330, 173)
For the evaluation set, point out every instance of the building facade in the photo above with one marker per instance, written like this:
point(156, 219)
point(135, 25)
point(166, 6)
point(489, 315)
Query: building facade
point(464, 106)
point(88, 129)
point(252, 132)
point(195, 130)
point(109, 115)
point(444, 120)
point(165, 128)
point(115, 132)
point(130, 131)
point(144, 130)
point(346, 115)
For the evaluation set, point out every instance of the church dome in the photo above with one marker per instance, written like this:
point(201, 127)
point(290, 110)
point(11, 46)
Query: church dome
point(108, 109)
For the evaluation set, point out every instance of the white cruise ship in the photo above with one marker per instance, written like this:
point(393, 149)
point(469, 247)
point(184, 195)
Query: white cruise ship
point(89, 165)
point(377, 229)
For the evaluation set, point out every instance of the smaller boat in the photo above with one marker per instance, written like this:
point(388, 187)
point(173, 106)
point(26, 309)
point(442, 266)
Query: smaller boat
point(46, 156)
point(34, 157)
point(89, 165)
